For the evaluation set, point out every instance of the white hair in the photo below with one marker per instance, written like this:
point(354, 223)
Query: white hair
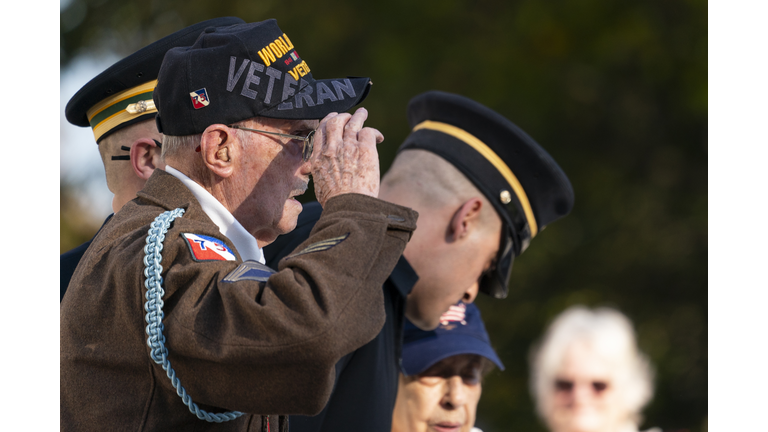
point(174, 145)
point(610, 334)
point(177, 145)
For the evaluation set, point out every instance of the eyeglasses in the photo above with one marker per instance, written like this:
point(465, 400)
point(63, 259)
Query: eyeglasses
point(309, 140)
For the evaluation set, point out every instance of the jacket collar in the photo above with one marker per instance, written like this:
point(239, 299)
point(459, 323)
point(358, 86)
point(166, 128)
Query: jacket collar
point(403, 277)
point(168, 192)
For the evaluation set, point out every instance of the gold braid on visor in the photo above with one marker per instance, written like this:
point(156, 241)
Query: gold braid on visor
point(121, 108)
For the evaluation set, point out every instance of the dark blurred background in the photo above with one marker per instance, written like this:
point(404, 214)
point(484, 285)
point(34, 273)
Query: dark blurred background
point(615, 91)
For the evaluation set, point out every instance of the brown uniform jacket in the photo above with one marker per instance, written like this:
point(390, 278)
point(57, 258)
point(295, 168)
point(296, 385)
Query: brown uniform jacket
point(256, 347)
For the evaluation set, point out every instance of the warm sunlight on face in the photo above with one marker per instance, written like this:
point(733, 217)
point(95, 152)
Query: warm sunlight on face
point(441, 399)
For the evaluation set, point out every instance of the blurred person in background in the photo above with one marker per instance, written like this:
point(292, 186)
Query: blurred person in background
point(588, 374)
point(442, 373)
point(117, 104)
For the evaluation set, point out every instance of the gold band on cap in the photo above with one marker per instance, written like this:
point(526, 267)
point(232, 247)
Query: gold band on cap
point(493, 158)
point(122, 107)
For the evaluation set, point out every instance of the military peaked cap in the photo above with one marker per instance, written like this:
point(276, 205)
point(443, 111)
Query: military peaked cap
point(520, 179)
point(122, 94)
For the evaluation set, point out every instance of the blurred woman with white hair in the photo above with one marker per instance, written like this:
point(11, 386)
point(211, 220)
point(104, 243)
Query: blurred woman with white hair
point(588, 374)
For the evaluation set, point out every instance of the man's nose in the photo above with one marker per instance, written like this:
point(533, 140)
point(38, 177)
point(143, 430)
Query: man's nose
point(306, 168)
point(455, 395)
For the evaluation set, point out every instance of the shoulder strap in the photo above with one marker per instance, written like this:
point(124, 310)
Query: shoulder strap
point(154, 309)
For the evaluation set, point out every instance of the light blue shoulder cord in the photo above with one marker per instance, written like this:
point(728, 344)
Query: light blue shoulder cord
point(154, 308)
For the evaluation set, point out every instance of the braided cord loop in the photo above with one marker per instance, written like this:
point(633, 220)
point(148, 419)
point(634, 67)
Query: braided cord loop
point(154, 309)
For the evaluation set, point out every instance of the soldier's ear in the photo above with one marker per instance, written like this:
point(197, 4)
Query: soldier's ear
point(465, 219)
point(217, 149)
point(145, 157)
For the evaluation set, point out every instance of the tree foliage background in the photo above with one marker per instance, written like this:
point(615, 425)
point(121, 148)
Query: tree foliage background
point(615, 91)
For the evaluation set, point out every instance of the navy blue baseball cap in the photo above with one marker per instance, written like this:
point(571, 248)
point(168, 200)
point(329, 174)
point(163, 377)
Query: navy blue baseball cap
point(238, 72)
point(461, 331)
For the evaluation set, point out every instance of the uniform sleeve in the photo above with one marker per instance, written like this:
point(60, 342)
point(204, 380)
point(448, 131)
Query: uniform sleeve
point(285, 244)
point(270, 347)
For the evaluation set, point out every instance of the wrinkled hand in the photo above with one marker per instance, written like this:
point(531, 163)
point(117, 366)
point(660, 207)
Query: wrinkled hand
point(345, 159)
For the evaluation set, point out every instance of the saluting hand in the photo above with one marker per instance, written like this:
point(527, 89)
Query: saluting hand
point(345, 159)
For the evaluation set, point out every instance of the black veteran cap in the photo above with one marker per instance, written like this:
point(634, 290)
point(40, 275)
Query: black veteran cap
point(520, 179)
point(249, 70)
point(122, 94)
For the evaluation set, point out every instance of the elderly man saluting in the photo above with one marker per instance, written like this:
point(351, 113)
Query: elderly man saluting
point(172, 321)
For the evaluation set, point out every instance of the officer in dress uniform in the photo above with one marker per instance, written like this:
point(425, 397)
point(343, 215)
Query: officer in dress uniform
point(117, 104)
point(483, 189)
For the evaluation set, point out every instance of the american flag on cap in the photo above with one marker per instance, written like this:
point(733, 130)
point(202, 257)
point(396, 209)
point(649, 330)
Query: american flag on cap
point(455, 313)
point(461, 331)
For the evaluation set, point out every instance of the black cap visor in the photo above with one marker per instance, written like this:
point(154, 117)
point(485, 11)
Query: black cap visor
point(515, 238)
point(495, 281)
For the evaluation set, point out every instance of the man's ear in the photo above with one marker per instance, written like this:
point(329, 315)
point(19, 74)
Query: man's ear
point(464, 220)
point(218, 148)
point(145, 157)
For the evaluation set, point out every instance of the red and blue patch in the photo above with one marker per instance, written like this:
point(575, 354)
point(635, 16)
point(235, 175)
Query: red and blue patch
point(199, 98)
point(205, 248)
point(292, 58)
